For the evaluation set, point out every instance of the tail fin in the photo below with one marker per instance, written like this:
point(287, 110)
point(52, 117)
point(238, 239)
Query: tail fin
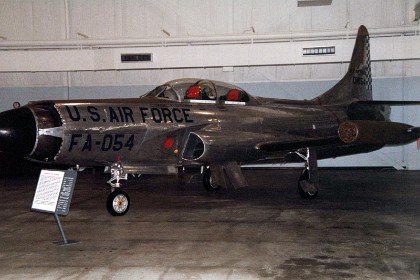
point(356, 85)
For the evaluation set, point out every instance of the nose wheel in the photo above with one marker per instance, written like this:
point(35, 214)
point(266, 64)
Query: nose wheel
point(118, 203)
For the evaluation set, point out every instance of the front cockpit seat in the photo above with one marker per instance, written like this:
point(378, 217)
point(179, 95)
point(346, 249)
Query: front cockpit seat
point(194, 92)
point(201, 92)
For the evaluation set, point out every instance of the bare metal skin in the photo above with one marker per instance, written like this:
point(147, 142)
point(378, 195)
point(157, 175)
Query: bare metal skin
point(218, 126)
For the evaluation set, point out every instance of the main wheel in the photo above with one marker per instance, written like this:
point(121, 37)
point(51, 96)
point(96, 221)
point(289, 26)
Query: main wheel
point(208, 183)
point(118, 203)
point(307, 189)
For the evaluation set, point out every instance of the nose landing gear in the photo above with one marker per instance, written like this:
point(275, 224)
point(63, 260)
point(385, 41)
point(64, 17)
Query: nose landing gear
point(118, 201)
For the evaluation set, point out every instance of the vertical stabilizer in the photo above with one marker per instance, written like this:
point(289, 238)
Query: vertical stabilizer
point(357, 83)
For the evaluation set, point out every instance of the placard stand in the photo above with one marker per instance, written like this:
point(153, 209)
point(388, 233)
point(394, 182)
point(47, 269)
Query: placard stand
point(53, 195)
point(60, 228)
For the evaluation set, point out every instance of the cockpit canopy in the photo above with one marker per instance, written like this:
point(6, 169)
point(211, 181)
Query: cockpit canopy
point(201, 91)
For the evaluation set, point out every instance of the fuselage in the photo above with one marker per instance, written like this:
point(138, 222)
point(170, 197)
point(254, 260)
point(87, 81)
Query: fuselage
point(183, 122)
point(137, 131)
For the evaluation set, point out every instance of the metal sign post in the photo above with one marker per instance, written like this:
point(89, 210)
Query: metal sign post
point(53, 195)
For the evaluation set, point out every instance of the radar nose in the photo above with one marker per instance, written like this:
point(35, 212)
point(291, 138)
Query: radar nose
point(17, 132)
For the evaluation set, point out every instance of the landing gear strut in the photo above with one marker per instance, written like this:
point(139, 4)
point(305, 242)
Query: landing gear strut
point(308, 181)
point(118, 201)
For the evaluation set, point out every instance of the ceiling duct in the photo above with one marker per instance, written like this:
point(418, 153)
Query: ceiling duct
point(311, 3)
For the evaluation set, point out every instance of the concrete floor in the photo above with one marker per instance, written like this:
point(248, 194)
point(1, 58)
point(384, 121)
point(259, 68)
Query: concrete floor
point(363, 225)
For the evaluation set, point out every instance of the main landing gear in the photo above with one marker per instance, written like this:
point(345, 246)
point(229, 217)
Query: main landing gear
point(307, 185)
point(308, 181)
point(118, 201)
point(209, 183)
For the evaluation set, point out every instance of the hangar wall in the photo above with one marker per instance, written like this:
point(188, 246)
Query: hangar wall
point(38, 33)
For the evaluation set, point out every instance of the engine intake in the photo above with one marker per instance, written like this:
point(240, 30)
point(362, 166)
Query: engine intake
point(23, 132)
point(47, 146)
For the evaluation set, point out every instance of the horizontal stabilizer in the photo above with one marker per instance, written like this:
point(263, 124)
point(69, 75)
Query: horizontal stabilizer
point(388, 102)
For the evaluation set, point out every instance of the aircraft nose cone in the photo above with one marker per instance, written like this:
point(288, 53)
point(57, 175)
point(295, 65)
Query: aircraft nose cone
point(17, 132)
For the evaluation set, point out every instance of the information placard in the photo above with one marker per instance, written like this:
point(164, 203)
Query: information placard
point(54, 191)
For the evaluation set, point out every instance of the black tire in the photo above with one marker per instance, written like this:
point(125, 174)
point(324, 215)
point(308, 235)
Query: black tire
point(118, 203)
point(207, 182)
point(304, 179)
point(306, 195)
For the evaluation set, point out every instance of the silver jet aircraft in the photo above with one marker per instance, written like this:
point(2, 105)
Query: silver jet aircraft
point(210, 124)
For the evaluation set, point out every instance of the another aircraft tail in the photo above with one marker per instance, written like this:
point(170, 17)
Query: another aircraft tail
point(356, 85)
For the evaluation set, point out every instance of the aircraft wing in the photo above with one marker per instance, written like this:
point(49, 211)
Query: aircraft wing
point(214, 146)
point(275, 146)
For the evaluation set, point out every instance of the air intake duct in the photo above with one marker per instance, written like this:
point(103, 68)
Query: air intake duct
point(26, 132)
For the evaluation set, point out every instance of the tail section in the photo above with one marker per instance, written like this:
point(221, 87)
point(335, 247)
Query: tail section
point(356, 85)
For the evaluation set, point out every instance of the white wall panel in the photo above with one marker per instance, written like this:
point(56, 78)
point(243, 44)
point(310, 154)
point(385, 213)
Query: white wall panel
point(376, 14)
point(16, 20)
point(136, 16)
point(282, 73)
point(242, 16)
point(300, 18)
point(23, 95)
point(392, 69)
point(48, 20)
point(412, 69)
point(332, 17)
point(360, 12)
point(293, 72)
point(267, 16)
point(257, 74)
point(201, 17)
point(38, 79)
point(96, 19)
point(93, 78)
point(32, 20)
point(394, 13)
point(326, 71)
point(201, 56)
